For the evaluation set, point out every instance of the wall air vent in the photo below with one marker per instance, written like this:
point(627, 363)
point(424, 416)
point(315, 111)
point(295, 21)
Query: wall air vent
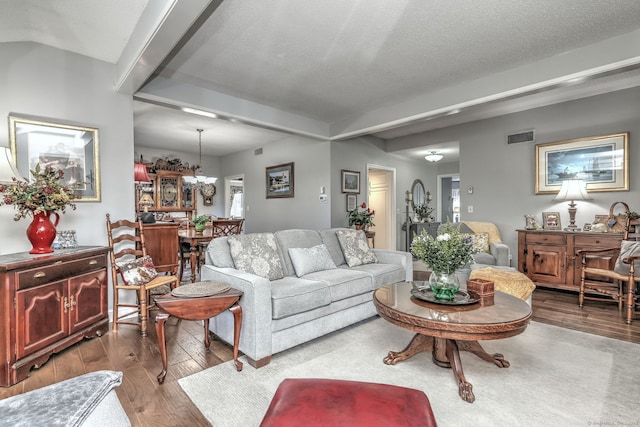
point(518, 137)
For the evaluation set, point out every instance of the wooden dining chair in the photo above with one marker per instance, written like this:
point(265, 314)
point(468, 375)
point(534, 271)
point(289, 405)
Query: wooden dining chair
point(617, 264)
point(132, 270)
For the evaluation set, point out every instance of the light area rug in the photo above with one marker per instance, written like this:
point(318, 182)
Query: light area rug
point(558, 377)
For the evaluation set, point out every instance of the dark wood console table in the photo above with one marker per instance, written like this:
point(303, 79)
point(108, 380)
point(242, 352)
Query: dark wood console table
point(47, 303)
point(549, 258)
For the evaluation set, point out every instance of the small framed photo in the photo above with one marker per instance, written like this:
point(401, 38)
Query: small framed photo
point(279, 180)
point(350, 182)
point(587, 227)
point(352, 201)
point(551, 221)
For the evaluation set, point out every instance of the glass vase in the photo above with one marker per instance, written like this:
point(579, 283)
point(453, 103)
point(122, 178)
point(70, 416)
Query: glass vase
point(444, 285)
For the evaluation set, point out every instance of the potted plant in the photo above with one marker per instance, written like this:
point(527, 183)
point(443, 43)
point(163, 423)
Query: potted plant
point(444, 254)
point(44, 196)
point(200, 222)
point(361, 217)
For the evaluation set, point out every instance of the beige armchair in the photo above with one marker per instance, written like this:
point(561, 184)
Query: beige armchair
point(487, 235)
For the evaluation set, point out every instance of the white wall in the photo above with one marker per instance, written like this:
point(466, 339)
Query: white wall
point(355, 155)
point(311, 171)
point(503, 176)
point(66, 87)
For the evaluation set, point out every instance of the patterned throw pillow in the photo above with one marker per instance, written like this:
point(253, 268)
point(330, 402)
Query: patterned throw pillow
point(136, 272)
point(355, 247)
point(480, 241)
point(309, 260)
point(256, 253)
point(628, 248)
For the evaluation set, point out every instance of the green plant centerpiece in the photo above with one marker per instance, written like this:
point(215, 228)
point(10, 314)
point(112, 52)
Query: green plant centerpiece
point(361, 216)
point(444, 254)
point(200, 222)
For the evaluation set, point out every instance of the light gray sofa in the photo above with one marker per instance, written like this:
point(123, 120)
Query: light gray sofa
point(280, 313)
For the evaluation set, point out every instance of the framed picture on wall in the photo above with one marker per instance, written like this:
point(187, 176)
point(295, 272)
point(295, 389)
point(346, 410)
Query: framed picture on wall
point(69, 148)
point(352, 201)
point(551, 221)
point(602, 162)
point(350, 182)
point(279, 180)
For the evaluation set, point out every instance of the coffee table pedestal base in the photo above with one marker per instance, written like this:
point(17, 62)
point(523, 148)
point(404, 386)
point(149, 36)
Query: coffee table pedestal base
point(446, 354)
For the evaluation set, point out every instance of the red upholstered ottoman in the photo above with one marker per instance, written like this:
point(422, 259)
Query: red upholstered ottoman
point(322, 402)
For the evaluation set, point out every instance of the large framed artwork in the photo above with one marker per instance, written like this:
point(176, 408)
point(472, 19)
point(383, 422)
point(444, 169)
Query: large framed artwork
point(73, 149)
point(601, 161)
point(279, 180)
point(350, 181)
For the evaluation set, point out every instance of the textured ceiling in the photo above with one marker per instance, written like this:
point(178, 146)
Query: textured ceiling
point(336, 69)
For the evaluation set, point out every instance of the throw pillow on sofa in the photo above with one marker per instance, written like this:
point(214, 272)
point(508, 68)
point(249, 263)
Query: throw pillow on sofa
point(136, 272)
point(355, 247)
point(309, 260)
point(256, 253)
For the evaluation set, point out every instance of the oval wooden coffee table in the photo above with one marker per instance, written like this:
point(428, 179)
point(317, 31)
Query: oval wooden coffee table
point(446, 330)
point(196, 307)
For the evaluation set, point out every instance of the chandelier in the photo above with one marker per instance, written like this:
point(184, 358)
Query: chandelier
point(433, 157)
point(206, 184)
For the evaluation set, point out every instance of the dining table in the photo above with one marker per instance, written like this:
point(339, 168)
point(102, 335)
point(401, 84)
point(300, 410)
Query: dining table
point(194, 239)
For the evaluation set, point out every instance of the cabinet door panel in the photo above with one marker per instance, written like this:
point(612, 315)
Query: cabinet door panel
point(546, 263)
point(41, 317)
point(87, 294)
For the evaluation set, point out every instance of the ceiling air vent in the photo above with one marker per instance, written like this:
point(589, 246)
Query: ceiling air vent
point(257, 151)
point(524, 136)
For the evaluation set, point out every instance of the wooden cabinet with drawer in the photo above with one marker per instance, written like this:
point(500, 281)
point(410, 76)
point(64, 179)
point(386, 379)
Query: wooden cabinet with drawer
point(549, 258)
point(47, 303)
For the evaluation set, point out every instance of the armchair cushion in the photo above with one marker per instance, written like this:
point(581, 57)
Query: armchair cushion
point(138, 271)
point(480, 241)
point(628, 248)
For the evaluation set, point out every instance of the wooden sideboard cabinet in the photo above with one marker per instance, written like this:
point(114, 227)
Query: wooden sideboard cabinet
point(161, 242)
point(47, 303)
point(549, 258)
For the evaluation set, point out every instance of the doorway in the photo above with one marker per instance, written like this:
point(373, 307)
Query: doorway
point(448, 201)
point(380, 192)
point(234, 201)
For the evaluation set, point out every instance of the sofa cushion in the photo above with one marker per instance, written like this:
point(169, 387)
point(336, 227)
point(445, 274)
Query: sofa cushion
point(330, 239)
point(219, 254)
point(294, 238)
point(256, 253)
point(292, 295)
point(343, 282)
point(382, 274)
point(310, 260)
point(355, 247)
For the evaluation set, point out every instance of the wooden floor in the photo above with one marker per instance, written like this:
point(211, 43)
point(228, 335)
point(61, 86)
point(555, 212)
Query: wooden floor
point(150, 404)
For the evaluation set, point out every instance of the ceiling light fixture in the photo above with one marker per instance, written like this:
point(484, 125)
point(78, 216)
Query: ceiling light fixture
point(199, 112)
point(206, 184)
point(433, 157)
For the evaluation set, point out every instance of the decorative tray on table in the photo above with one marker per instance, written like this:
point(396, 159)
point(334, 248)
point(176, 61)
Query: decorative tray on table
point(461, 297)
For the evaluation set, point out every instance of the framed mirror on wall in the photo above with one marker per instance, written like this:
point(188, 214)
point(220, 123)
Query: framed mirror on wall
point(417, 193)
point(70, 148)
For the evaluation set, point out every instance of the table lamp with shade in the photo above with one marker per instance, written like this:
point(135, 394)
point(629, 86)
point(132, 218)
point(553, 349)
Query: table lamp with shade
point(572, 190)
point(140, 175)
